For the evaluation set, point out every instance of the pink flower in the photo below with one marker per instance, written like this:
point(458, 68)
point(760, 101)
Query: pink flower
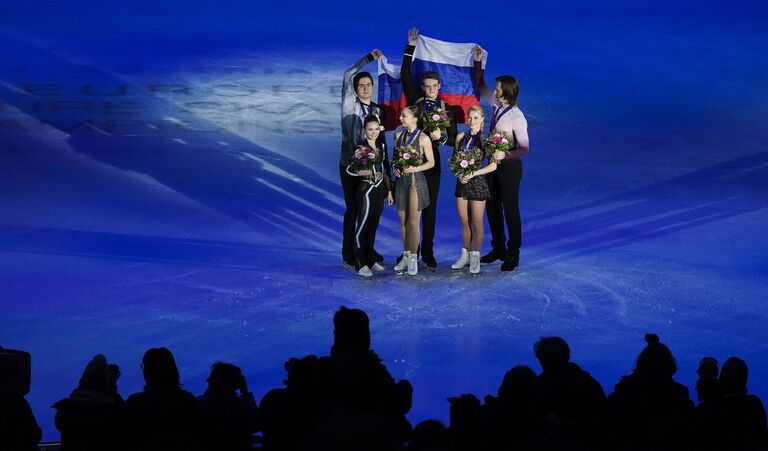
point(472, 161)
point(496, 140)
point(406, 156)
point(504, 141)
point(371, 155)
point(364, 161)
point(435, 117)
point(463, 163)
point(438, 109)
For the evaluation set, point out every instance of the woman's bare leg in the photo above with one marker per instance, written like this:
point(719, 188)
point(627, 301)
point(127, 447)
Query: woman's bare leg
point(477, 207)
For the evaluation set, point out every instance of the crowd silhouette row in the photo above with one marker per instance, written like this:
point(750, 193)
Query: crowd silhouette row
point(348, 401)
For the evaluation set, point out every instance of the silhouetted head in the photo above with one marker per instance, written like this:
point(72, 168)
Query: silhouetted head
point(733, 376)
point(351, 330)
point(464, 410)
point(519, 382)
point(301, 372)
point(429, 435)
point(225, 377)
point(656, 359)
point(97, 375)
point(708, 368)
point(160, 369)
point(552, 352)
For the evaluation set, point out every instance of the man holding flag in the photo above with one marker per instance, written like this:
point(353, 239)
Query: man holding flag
point(425, 98)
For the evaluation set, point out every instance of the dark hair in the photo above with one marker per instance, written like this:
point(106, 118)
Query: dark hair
point(656, 359)
point(350, 329)
point(519, 383)
point(509, 88)
point(225, 377)
point(552, 351)
point(360, 75)
point(430, 75)
point(160, 370)
point(370, 118)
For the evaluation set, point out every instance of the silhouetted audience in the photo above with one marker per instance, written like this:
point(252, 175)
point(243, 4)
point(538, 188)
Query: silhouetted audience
point(571, 395)
point(163, 416)
point(648, 410)
point(347, 400)
point(229, 420)
point(91, 415)
point(732, 420)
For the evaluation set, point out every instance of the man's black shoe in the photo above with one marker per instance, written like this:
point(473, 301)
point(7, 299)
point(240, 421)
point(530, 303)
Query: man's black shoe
point(378, 258)
point(491, 257)
point(430, 261)
point(511, 264)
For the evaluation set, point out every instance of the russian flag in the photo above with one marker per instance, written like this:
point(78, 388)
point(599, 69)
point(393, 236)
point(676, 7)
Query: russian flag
point(452, 61)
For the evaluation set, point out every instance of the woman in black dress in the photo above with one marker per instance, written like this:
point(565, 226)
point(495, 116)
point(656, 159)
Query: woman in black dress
point(471, 193)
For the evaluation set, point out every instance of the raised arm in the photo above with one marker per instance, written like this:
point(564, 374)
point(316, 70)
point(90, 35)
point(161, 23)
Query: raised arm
point(411, 91)
point(348, 93)
point(477, 75)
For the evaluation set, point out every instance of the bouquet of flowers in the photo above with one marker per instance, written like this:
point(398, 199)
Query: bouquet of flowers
point(466, 161)
point(364, 158)
point(496, 142)
point(436, 119)
point(406, 157)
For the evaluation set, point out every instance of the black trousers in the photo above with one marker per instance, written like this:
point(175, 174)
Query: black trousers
point(350, 185)
point(370, 203)
point(429, 214)
point(503, 206)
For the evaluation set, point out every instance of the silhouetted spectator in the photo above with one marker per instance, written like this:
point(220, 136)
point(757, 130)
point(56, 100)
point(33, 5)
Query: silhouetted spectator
point(163, 416)
point(466, 428)
point(350, 402)
point(735, 420)
point(648, 409)
point(90, 418)
point(707, 386)
point(569, 393)
point(430, 435)
point(229, 420)
point(515, 419)
point(288, 415)
point(19, 430)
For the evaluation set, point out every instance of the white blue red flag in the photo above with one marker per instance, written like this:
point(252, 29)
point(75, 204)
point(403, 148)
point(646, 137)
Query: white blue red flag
point(451, 60)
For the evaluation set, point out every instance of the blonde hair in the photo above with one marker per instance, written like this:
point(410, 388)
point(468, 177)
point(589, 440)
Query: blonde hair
point(477, 108)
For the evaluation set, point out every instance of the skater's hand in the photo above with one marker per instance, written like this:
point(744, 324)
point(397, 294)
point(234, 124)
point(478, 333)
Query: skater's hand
point(466, 178)
point(390, 199)
point(364, 172)
point(435, 134)
point(398, 172)
point(499, 155)
point(413, 36)
point(477, 53)
point(376, 54)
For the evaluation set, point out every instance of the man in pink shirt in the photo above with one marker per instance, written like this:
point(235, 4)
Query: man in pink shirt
point(504, 182)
